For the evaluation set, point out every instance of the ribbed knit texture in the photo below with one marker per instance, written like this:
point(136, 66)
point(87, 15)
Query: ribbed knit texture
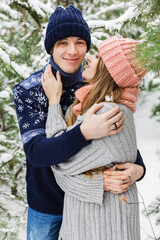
point(65, 23)
point(105, 216)
point(116, 54)
point(119, 56)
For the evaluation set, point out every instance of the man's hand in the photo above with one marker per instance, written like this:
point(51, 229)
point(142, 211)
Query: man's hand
point(97, 126)
point(118, 181)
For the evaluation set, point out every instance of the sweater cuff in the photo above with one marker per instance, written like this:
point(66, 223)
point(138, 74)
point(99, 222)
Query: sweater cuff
point(81, 187)
point(55, 109)
point(144, 168)
point(97, 191)
point(75, 139)
point(140, 162)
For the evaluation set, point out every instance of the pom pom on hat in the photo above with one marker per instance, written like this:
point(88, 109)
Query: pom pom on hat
point(65, 23)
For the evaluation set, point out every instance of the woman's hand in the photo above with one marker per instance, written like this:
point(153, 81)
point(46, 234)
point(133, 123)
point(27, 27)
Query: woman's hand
point(52, 86)
point(118, 179)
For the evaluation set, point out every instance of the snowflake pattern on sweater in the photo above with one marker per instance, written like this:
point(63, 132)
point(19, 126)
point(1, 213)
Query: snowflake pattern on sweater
point(32, 105)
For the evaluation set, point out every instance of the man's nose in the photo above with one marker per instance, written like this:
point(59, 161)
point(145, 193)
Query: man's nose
point(72, 49)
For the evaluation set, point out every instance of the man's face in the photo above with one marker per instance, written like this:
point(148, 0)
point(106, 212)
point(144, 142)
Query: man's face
point(69, 53)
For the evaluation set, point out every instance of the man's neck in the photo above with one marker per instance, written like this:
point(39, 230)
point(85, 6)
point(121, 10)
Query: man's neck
point(68, 79)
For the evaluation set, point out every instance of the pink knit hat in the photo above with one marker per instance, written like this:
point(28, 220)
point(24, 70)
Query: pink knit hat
point(119, 58)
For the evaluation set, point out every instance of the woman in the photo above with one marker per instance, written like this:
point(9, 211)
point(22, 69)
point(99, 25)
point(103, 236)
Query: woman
point(112, 77)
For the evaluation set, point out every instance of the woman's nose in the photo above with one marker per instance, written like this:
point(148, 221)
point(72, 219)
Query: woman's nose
point(89, 58)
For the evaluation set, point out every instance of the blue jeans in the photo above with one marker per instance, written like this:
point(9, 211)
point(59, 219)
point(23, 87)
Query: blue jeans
point(42, 226)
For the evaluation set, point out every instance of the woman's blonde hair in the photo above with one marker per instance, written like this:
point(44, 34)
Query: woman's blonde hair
point(103, 84)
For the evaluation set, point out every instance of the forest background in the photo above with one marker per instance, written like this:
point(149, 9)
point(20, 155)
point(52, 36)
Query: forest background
point(22, 31)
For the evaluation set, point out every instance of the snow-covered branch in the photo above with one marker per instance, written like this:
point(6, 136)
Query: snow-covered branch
point(8, 48)
point(12, 13)
point(22, 70)
point(131, 13)
point(44, 7)
point(6, 157)
point(108, 9)
point(34, 4)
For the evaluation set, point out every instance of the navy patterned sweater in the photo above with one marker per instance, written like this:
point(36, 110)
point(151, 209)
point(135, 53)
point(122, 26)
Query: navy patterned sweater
point(43, 193)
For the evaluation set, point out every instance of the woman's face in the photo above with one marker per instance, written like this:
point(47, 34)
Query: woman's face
point(91, 68)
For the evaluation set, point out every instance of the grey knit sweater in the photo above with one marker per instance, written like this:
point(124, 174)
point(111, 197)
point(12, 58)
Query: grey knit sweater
point(89, 212)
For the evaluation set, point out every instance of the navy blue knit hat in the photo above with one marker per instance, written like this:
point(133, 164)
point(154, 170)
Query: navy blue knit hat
point(66, 23)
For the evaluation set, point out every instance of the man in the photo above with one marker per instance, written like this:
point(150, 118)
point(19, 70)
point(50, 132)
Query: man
point(67, 40)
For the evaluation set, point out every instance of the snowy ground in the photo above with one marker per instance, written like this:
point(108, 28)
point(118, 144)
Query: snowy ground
point(148, 138)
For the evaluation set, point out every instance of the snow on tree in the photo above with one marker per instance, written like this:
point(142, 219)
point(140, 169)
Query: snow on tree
point(22, 31)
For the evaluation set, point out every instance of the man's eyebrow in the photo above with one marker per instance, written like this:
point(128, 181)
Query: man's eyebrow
point(79, 38)
point(63, 39)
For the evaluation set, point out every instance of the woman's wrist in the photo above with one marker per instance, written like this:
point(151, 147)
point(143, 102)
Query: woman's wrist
point(53, 101)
